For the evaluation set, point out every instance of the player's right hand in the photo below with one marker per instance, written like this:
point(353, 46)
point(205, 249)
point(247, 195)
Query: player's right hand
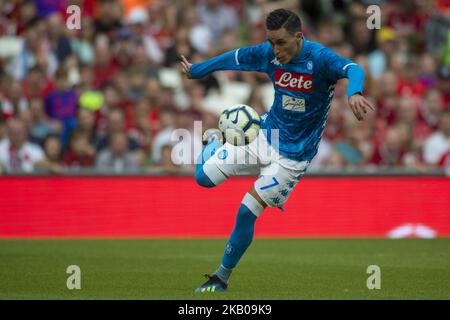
point(185, 67)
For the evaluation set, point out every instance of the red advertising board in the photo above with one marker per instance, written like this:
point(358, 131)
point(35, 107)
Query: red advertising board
point(148, 207)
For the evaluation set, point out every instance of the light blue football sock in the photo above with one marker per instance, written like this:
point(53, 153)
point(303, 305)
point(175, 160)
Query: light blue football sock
point(208, 151)
point(240, 240)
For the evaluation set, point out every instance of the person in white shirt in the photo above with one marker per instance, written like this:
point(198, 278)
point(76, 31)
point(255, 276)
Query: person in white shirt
point(438, 144)
point(16, 153)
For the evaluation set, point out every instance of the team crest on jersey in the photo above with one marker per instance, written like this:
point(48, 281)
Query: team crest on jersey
point(223, 154)
point(309, 65)
point(301, 82)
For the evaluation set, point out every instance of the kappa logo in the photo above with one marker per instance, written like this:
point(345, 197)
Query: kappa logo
point(264, 117)
point(276, 62)
point(301, 82)
point(229, 249)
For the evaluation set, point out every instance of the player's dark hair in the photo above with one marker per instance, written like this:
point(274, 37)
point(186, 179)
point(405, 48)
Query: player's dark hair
point(283, 18)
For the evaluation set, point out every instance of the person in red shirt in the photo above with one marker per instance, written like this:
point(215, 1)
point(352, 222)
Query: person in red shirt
point(389, 152)
point(80, 153)
point(105, 66)
point(36, 84)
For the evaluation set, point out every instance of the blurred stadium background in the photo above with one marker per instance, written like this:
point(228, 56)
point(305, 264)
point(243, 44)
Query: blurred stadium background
point(86, 117)
point(103, 100)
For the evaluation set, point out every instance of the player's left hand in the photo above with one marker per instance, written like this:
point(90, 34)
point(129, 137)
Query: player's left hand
point(359, 106)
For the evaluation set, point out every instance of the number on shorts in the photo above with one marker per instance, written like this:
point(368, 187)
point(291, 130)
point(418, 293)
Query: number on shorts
point(275, 183)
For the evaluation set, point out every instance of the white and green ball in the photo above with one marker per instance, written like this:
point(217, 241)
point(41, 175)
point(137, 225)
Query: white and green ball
point(240, 124)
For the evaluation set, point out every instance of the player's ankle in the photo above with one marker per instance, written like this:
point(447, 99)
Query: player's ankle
point(223, 273)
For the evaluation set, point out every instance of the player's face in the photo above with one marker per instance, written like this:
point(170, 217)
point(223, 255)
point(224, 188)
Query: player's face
point(285, 46)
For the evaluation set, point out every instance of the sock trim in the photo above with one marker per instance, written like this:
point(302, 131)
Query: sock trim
point(252, 204)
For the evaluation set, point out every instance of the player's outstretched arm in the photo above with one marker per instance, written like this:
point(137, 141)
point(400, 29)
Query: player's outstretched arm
point(359, 104)
point(253, 58)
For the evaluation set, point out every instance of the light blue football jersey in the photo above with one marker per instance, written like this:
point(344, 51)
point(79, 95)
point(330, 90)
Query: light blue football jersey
point(304, 89)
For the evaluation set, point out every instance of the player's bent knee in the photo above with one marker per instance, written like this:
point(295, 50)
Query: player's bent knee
point(203, 180)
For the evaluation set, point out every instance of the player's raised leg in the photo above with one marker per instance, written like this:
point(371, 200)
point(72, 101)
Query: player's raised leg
point(218, 162)
point(241, 238)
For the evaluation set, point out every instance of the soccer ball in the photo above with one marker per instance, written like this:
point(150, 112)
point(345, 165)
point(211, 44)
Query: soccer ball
point(239, 124)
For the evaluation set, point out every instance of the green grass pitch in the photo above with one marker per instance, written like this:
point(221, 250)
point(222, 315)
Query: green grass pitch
point(271, 269)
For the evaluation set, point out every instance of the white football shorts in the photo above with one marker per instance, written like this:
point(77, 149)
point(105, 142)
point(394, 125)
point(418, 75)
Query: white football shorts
point(278, 175)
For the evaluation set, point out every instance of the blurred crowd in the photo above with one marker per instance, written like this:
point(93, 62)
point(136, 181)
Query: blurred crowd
point(96, 97)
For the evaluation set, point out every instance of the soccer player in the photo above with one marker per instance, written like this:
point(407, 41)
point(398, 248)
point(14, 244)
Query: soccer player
point(304, 75)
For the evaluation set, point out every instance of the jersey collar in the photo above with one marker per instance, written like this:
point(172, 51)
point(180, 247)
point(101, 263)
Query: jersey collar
point(304, 51)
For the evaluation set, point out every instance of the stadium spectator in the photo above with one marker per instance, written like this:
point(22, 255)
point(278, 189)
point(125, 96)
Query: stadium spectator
point(181, 46)
point(142, 130)
point(427, 71)
point(387, 101)
point(431, 108)
point(137, 21)
point(53, 154)
point(323, 153)
point(46, 8)
point(80, 153)
point(361, 38)
point(87, 79)
point(335, 123)
point(335, 161)
point(116, 100)
point(40, 125)
point(27, 12)
point(408, 113)
point(116, 124)
point(218, 17)
point(166, 162)
point(108, 18)
point(34, 52)
point(2, 127)
point(379, 58)
point(390, 152)
point(61, 103)
point(438, 144)
point(198, 35)
point(444, 83)
point(16, 152)
point(162, 21)
point(58, 41)
point(164, 136)
point(86, 124)
point(350, 146)
point(14, 100)
point(116, 158)
point(82, 44)
point(36, 85)
point(105, 65)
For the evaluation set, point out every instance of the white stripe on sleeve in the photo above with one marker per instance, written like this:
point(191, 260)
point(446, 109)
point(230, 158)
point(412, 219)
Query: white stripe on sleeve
point(349, 64)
